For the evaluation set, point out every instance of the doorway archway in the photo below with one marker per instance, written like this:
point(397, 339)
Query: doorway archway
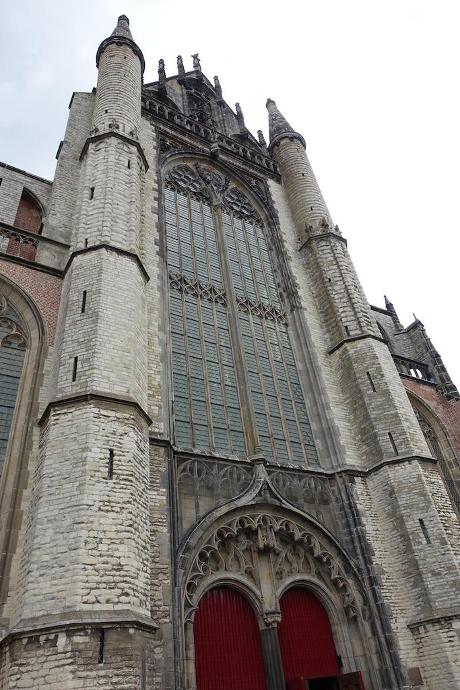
point(305, 637)
point(228, 652)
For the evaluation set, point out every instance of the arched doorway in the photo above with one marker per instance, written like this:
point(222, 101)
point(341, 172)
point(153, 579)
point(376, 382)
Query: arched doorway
point(306, 641)
point(228, 653)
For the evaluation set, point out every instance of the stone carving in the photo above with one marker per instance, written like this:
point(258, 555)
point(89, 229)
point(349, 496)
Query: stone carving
point(161, 70)
point(199, 108)
point(213, 293)
point(218, 88)
point(180, 65)
point(196, 62)
point(235, 547)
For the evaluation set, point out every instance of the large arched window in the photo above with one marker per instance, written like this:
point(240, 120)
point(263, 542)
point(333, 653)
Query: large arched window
point(434, 444)
point(236, 384)
point(12, 350)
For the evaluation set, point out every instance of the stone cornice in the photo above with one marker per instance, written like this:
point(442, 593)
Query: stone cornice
point(349, 470)
point(121, 40)
point(292, 136)
point(435, 617)
point(322, 236)
point(117, 135)
point(111, 248)
point(78, 620)
point(91, 397)
point(33, 265)
point(353, 338)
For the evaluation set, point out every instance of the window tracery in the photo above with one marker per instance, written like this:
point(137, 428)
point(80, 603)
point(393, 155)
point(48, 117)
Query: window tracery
point(12, 351)
point(222, 282)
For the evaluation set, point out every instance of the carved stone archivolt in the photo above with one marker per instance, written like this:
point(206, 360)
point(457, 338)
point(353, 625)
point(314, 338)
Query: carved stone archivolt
point(256, 545)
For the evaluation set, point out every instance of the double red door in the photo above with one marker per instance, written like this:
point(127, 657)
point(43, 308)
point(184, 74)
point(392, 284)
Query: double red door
point(228, 651)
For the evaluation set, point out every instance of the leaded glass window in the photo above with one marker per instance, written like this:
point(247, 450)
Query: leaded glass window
point(12, 350)
point(230, 340)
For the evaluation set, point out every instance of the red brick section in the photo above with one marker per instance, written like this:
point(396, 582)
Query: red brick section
point(44, 289)
point(448, 411)
point(28, 217)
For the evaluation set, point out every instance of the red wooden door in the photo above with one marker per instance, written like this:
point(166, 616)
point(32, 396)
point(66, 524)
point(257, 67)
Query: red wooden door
point(305, 636)
point(228, 652)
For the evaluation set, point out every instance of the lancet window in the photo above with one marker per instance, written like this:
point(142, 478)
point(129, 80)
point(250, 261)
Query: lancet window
point(12, 351)
point(234, 374)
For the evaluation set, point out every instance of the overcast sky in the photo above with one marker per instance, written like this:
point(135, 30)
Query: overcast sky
point(372, 86)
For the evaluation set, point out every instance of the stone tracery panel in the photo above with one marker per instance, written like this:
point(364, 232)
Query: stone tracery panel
point(239, 546)
point(206, 484)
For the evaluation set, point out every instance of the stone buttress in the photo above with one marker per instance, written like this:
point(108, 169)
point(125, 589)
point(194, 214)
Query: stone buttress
point(84, 574)
point(398, 488)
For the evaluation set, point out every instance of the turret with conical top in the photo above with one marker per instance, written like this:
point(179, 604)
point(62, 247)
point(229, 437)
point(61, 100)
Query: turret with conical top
point(118, 94)
point(95, 430)
point(288, 149)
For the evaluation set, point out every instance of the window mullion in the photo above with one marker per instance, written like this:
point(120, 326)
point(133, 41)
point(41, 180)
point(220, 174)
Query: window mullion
point(247, 410)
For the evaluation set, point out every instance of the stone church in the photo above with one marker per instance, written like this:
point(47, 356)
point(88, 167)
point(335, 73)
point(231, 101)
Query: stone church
point(221, 468)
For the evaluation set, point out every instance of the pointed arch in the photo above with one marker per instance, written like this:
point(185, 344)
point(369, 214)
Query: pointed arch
point(263, 550)
point(31, 331)
point(440, 446)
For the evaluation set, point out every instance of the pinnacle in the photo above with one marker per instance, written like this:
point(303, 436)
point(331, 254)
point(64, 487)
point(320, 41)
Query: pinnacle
point(122, 27)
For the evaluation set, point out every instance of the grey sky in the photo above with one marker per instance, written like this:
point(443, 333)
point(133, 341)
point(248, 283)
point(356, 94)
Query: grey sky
point(372, 85)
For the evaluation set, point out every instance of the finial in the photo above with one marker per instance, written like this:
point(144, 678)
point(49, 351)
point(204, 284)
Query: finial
point(240, 118)
point(123, 18)
point(390, 308)
point(180, 65)
point(161, 70)
point(279, 127)
point(261, 137)
point(196, 62)
point(218, 88)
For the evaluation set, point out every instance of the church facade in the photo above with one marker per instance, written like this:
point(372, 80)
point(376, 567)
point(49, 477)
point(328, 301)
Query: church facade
point(220, 466)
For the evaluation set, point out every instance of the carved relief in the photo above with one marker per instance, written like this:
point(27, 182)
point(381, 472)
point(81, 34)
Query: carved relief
point(237, 546)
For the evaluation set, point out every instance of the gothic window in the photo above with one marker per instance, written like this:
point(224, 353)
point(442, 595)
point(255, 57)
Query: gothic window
point(12, 350)
point(436, 451)
point(230, 341)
